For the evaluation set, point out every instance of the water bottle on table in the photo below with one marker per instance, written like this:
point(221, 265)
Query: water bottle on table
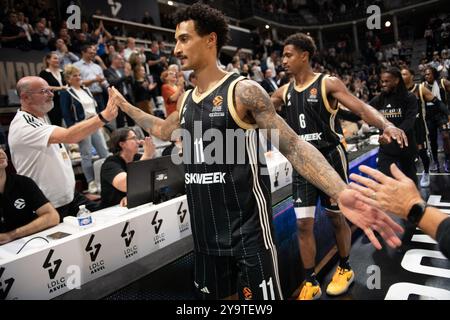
point(84, 217)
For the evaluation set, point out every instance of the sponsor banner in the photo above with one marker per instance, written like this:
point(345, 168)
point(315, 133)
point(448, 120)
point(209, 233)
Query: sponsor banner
point(57, 269)
point(15, 64)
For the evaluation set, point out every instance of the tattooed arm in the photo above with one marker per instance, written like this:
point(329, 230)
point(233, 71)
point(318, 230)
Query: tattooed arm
point(158, 127)
point(305, 158)
point(309, 162)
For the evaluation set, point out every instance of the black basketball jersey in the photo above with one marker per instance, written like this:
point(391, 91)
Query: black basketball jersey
point(228, 194)
point(432, 111)
point(417, 90)
point(310, 114)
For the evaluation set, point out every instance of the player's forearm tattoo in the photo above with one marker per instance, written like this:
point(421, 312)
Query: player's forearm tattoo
point(304, 157)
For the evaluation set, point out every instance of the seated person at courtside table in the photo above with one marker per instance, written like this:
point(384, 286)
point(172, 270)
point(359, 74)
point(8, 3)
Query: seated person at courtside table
point(124, 144)
point(24, 209)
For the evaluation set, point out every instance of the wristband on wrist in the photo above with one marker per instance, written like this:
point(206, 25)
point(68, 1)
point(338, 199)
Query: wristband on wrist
point(416, 212)
point(100, 116)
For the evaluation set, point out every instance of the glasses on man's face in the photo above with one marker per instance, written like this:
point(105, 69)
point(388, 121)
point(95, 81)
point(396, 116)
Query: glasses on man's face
point(42, 91)
point(133, 138)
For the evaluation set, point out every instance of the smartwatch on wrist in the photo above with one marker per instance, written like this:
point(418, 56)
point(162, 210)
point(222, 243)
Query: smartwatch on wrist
point(102, 118)
point(416, 212)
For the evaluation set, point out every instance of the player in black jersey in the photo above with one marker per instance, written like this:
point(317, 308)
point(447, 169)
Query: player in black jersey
point(425, 98)
point(438, 116)
point(400, 107)
point(229, 203)
point(310, 104)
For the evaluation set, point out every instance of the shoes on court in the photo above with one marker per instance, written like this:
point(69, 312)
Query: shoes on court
point(447, 166)
point(310, 292)
point(342, 279)
point(435, 167)
point(425, 180)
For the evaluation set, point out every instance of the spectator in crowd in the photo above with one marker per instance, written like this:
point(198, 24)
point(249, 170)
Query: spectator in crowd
point(85, 31)
point(445, 63)
point(13, 36)
point(78, 104)
point(24, 209)
point(124, 145)
point(143, 89)
point(55, 79)
point(121, 78)
point(23, 23)
point(101, 34)
point(436, 62)
point(399, 195)
point(38, 150)
point(157, 62)
point(65, 56)
point(269, 83)
point(136, 59)
point(234, 66)
point(131, 48)
point(64, 34)
point(245, 71)
point(92, 75)
point(147, 19)
point(192, 83)
point(79, 41)
point(40, 39)
point(258, 76)
point(171, 90)
point(47, 28)
point(271, 62)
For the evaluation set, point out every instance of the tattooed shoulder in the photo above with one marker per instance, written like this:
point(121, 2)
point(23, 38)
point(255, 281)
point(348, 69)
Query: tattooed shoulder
point(252, 96)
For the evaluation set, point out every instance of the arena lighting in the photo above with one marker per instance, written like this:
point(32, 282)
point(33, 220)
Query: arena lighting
point(170, 3)
point(387, 24)
point(267, 26)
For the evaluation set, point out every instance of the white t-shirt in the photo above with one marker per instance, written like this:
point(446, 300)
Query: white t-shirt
point(48, 165)
point(87, 102)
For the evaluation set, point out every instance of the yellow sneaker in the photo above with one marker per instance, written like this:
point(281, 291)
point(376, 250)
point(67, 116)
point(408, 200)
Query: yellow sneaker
point(342, 279)
point(310, 292)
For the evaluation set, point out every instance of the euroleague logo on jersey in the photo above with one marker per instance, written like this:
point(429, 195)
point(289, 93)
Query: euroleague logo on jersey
point(248, 295)
point(217, 101)
point(19, 204)
point(217, 109)
point(313, 95)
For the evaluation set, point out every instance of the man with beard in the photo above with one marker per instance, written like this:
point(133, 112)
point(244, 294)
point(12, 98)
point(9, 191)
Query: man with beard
point(37, 148)
point(400, 106)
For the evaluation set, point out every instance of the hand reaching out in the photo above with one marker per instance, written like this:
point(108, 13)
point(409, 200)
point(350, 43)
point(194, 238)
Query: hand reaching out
point(149, 147)
point(120, 99)
point(393, 133)
point(369, 219)
point(111, 109)
point(396, 195)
